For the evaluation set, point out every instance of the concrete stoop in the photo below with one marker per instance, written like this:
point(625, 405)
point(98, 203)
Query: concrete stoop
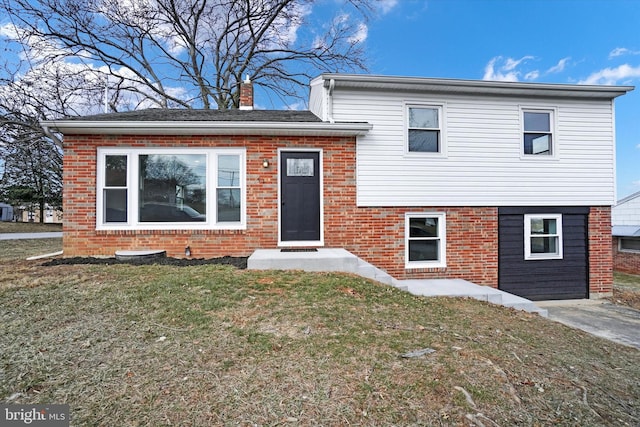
point(336, 259)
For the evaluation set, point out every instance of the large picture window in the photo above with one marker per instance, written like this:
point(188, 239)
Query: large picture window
point(542, 236)
point(167, 188)
point(425, 240)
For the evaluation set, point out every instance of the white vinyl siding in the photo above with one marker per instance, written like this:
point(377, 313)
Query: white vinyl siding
point(484, 165)
point(627, 211)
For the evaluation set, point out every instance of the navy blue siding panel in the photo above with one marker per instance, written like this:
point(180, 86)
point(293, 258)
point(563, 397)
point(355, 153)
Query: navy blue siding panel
point(565, 278)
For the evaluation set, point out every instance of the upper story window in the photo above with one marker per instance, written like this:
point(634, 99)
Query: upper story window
point(538, 132)
point(542, 236)
point(169, 188)
point(424, 129)
point(425, 240)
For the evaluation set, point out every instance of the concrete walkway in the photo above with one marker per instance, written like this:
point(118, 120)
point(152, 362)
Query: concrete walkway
point(337, 259)
point(597, 317)
point(25, 236)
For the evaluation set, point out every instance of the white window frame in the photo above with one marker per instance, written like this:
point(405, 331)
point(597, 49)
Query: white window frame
point(621, 249)
point(553, 132)
point(441, 108)
point(527, 237)
point(442, 238)
point(132, 189)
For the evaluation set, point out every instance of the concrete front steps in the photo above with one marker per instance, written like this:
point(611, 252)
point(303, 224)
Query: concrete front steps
point(335, 259)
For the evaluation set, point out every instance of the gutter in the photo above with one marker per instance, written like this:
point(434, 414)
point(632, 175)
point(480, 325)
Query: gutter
point(99, 127)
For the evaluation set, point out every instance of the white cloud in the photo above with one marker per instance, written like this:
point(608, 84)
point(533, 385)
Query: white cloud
point(532, 75)
point(620, 51)
point(501, 69)
point(611, 76)
point(360, 35)
point(560, 66)
point(638, 146)
point(385, 6)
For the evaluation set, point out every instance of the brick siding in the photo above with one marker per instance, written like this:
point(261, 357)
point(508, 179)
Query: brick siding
point(625, 262)
point(600, 256)
point(375, 234)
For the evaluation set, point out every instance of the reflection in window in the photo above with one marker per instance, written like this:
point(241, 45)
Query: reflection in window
point(424, 130)
point(543, 236)
point(115, 189)
point(425, 240)
point(537, 133)
point(172, 188)
point(228, 188)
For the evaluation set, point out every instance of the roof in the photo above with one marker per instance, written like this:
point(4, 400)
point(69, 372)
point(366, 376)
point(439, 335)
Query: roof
point(190, 115)
point(628, 198)
point(469, 87)
point(158, 121)
point(626, 230)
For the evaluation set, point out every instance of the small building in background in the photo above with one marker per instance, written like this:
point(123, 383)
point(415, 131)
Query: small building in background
point(6, 212)
point(625, 218)
point(51, 215)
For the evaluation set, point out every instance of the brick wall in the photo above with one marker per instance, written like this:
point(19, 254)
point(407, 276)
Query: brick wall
point(625, 262)
point(600, 255)
point(375, 234)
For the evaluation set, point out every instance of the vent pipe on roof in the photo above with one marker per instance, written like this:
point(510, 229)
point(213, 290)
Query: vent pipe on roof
point(246, 94)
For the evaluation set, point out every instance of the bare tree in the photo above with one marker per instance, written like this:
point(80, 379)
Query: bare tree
point(32, 170)
point(193, 53)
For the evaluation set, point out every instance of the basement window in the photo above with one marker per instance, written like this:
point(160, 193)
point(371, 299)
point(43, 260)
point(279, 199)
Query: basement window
point(542, 236)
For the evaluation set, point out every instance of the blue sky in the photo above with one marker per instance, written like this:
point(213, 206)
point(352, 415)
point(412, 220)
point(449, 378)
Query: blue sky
point(548, 41)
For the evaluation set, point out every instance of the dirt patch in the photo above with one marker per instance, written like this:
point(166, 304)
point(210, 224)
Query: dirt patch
point(238, 262)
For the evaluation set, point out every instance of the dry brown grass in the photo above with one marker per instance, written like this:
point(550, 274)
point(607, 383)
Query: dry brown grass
point(28, 227)
point(211, 345)
point(626, 290)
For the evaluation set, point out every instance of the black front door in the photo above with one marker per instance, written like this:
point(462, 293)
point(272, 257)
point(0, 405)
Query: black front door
point(300, 196)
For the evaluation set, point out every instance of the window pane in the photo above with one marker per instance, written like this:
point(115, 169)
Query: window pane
point(424, 141)
point(228, 204)
point(423, 118)
point(423, 227)
point(543, 226)
point(228, 171)
point(630, 244)
point(115, 205)
point(544, 245)
point(537, 122)
point(172, 188)
point(423, 250)
point(115, 173)
point(537, 143)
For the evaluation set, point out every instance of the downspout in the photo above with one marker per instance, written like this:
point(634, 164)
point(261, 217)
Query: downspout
point(48, 133)
point(332, 84)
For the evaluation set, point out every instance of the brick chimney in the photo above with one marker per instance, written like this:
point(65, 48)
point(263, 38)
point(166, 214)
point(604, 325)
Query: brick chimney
point(246, 94)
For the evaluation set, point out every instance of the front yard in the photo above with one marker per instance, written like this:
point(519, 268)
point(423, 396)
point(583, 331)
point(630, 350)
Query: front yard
point(212, 345)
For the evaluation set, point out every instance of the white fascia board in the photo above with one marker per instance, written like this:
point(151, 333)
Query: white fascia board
point(75, 127)
point(474, 87)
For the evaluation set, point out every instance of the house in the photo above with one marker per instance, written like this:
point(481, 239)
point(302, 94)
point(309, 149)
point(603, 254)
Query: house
point(6, 212)
point(31, 214)
point(508, 185)
point(625, 217)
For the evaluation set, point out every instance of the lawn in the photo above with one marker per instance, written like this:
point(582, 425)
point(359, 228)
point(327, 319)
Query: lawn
point(28, 227)
point(212, 345)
